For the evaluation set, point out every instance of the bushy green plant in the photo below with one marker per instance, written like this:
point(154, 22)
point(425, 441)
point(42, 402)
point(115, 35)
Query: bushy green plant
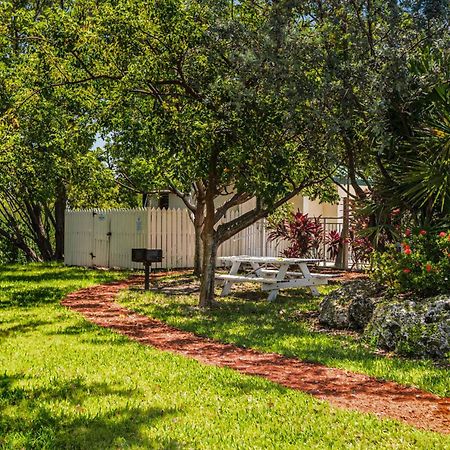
point(419, 264)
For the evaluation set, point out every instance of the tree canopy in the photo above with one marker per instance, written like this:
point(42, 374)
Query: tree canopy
point(220, 99)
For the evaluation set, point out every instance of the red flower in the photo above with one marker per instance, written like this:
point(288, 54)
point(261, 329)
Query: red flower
point(442, 234)
point(406, 270)
point(407, 251)
point(428, 267)
point(422, 232)
point(407, 232)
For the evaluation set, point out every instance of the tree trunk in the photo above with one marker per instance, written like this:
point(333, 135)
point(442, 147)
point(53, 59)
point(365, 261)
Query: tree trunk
point(198, 226)
point(210, 244)
point(144, 199)
point(41, 238)
point(30, 254)
point(60, 209)
point(209, 268)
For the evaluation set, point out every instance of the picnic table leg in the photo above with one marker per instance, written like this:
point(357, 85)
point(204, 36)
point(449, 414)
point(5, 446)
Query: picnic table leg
point(256, 268)
point(227, 285)
point(307, 274)
point(279, 277)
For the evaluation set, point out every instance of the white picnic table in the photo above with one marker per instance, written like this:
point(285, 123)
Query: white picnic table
point(273, 278)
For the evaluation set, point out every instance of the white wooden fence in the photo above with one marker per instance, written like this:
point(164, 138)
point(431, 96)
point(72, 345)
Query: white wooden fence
point(104, 238)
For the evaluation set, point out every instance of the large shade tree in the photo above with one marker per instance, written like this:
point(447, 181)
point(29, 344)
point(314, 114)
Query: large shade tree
point(379, 106)
point(46, 135)
point(199, 96)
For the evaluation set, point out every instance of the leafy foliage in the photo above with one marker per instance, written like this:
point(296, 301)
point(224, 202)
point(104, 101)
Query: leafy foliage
point(305, 236)
point(420, 264)
point(333, 241)
point(303, 233)
point(47, 131)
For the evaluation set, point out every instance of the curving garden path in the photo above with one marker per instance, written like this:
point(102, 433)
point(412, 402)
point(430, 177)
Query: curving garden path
point(339, 387)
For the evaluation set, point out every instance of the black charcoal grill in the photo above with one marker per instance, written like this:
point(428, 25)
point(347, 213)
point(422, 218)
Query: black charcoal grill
point(147, 256)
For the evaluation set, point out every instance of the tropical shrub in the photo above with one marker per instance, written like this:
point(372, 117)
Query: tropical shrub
point(333, 240)
point(305, 236)
point(361, 248)
point(303, 233)
point(420, 263)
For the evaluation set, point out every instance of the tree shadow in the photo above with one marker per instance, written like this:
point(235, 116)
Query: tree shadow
point(90, 333)
point(80, 328)
point(31, 296)
point(55, 275)
point(275, 327)
point(75, 426)
point(24, 327)
point(38, 273)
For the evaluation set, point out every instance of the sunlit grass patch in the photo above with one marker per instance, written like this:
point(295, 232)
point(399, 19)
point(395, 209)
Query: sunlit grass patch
point(247, 319)
point(68, 384)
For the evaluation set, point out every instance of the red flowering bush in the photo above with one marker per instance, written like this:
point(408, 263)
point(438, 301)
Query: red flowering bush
point(305, 235)
point(419, 264)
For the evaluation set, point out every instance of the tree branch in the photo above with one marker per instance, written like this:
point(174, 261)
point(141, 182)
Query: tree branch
point(229, 229)
point(236, 199)
point(184, 197)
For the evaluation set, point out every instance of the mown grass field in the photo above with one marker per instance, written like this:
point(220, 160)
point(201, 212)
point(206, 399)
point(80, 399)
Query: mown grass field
point(67, 384)
point(248, 319)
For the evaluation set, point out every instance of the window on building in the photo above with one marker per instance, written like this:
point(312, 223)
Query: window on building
point(163, 202)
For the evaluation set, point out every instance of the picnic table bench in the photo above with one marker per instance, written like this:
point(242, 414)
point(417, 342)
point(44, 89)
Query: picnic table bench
point(272, 279)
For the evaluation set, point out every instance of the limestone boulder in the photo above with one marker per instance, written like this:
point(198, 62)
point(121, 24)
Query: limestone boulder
point(351, 305)
point(415, 327)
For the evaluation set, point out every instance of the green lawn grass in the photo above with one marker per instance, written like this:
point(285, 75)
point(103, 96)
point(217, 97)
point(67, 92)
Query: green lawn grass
point(68, 384)
point(249, 320)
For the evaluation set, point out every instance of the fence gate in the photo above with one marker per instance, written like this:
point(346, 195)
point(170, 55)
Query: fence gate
point(101, 239)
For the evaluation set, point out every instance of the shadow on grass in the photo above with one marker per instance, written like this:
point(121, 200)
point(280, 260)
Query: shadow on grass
point(269, 326)
point(90, 333)
point(24, 327)
point(81, 328)
point(34, 285)
point(33, 414)
point(52, 273)
point(31, 296)
point(251, 329)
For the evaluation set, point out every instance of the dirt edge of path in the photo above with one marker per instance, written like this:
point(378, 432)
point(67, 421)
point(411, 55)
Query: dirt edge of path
point(341, 388)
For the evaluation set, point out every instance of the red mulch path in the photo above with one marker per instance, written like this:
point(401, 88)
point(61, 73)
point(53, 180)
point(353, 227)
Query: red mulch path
point(339, 387)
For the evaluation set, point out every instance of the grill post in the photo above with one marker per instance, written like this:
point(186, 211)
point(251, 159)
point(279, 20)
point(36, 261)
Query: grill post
point(147, 267)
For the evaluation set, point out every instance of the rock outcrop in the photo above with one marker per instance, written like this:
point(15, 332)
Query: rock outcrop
point(350, 306)
point(417, 327)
